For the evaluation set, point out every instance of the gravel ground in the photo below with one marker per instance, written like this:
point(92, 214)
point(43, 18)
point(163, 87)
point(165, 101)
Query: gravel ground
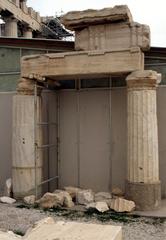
point(20, 219)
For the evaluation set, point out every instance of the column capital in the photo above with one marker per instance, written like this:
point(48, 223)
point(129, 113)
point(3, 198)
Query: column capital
point(10, 19)
point(143, 79)
point(26, 87)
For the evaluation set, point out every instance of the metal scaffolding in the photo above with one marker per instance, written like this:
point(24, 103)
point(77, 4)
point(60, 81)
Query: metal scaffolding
point(38, 147)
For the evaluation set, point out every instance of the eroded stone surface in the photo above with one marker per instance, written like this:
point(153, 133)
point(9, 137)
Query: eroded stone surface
point(72, 191)
point(67, 199)
point(85, 196)
point(7, 200)
point(50, 200)
point(29, 199)
point(102, 196)
point(9, 236)
point(100, 206)
point(113, 36)
point(48, 229)
point(121, 205)
point(117, 191)
point(79, 19)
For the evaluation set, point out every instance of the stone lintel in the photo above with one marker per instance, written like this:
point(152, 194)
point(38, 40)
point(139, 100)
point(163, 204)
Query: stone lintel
point(70, 65)
point(81, 19)
point(143, 79)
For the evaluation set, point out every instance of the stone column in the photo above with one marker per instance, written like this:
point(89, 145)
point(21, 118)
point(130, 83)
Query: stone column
point(11, 27)
point(24, 139)
point(143, 184)
point(24, 6)
point(28, 33)
point(17, 2)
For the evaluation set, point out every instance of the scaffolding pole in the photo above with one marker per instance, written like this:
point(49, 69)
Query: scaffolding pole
point(38, 147)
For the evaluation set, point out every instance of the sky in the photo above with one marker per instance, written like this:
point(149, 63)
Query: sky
point(150, 12)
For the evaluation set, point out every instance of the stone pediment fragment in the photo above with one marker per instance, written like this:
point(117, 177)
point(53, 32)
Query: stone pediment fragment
point(80, 19)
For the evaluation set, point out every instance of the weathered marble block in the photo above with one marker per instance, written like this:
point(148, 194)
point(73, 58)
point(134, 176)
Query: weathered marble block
point(81, 19)
point(113, 36)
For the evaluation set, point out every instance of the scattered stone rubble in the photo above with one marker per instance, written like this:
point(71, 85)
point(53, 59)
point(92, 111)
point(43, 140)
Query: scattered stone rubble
point(7, 200)
point(117, 192)
point(100, 206)
point(30, 199)
point(72, 191)
point(103, 196)
point(122, 205)
point(51, 200)
point(67, 199)
point(85, 197)
point(71, 196)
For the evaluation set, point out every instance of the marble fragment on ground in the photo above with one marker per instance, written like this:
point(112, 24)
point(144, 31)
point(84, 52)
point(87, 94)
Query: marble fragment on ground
point(85, 197)
point(7, 200)
point(121, 205)
point(29, 199)
point(48, 229)
point(99, 206)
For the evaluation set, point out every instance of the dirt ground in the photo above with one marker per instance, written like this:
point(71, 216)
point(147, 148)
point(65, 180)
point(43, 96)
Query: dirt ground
point(19, 218)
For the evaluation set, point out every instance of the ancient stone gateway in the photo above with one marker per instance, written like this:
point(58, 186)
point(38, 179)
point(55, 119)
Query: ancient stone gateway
point(107, 43)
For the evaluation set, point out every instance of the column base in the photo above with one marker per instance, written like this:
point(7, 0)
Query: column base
point(147, 196)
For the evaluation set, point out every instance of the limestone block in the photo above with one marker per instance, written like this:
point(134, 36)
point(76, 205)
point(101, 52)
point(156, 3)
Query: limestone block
point(29, 199)
point(50, 200)
point(100, 206)
point(83, 63)
point(72, 191)
point(85, 196)
point(113, 36)
point(121, 205)
point(117, 191)
point(48, 229)
point(7, 200)
point(67, 202)
point(9, 236)
point(80, 19)
point(102, 196)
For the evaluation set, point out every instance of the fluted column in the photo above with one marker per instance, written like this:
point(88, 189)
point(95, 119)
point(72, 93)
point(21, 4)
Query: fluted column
point(27, 160)
point(11, 29)
point(143, 185)
point(28, 33)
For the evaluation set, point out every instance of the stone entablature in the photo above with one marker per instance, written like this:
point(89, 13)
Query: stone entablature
point(113, 36)
point(20, 11)
point(82, 19)
point(109, 28)
point(83, 63)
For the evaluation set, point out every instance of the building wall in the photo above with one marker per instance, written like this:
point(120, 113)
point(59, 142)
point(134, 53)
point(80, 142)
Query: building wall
point(87, 158)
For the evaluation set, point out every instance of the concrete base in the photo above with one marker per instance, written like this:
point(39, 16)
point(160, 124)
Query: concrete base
point(146, 196)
